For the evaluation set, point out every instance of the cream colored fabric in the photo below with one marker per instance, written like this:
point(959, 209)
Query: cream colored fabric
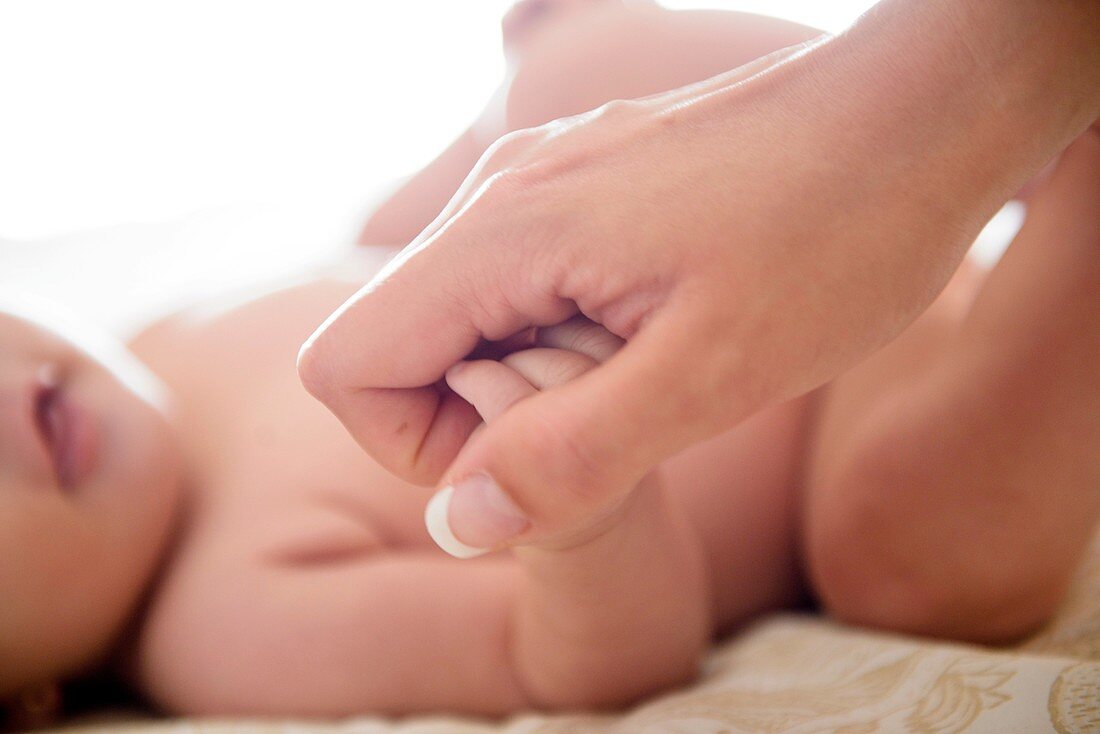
point(805, 675)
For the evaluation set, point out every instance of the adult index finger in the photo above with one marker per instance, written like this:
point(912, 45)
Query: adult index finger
point(378, 362)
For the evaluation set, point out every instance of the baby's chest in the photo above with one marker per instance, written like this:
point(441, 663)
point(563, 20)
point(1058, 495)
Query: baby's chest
point(291, 467)
point(276, 465)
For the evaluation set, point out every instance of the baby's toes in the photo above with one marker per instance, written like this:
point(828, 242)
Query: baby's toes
point(526, 17)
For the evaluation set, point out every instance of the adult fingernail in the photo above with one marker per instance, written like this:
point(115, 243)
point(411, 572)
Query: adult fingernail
point(472, 517)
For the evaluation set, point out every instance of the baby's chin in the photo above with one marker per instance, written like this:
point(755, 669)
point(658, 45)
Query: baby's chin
point(104, 539)
point(105, 517)
point(131, 498)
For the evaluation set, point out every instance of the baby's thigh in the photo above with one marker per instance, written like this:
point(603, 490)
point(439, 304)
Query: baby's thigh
point(740, 490)
point(607, 52)
point(744, 490)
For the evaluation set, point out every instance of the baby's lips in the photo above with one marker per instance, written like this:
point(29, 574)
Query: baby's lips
point(476, 509)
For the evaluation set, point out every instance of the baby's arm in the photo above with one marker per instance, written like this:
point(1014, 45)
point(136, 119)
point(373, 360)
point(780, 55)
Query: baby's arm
point(618, 614)
point(622, 610)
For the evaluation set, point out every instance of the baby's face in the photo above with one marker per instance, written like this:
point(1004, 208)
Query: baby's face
point(89, 476)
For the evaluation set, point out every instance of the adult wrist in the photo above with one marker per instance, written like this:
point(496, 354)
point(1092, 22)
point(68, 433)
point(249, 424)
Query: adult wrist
point(998, 88)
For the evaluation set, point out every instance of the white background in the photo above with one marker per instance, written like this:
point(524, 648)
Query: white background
point(156, 152)
point(118, 111)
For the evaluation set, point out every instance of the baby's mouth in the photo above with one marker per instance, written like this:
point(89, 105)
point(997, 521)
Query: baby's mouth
point(66, 429)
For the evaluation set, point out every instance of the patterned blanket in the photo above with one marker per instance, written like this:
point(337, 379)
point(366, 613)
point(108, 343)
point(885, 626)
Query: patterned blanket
point(806, 675)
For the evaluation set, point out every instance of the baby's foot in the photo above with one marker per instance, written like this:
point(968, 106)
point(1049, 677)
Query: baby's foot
point(527, 18)
point(418, 200)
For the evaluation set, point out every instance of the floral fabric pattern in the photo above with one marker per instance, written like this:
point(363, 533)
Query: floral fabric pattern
point(806, 675)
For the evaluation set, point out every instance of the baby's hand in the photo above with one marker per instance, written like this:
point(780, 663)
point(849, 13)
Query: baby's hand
point(561, 354)
point(617, 607)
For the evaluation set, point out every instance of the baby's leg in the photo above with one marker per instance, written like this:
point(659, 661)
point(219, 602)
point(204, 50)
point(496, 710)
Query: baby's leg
point(570, 56)
point(955, 476)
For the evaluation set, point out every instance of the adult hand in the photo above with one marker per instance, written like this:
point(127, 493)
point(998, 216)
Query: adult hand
point(749, 237)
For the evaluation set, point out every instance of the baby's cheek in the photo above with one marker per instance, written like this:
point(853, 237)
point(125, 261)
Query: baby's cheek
point(58, 611)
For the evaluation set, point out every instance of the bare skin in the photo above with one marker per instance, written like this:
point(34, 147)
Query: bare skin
point(287, 515)
point(569, 57)
point(302, 580)
point(772, 226)
point(761, 502)
point(89, 483)
point(293, 532)
point(979, 430)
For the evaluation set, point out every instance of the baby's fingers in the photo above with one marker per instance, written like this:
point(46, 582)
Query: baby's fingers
point(578, 334)
point(546, 368)
point(566, 351)
point(490, 386)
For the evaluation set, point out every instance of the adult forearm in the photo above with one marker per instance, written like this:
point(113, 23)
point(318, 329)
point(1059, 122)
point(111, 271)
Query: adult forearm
point(974, 96)
point(934, 109)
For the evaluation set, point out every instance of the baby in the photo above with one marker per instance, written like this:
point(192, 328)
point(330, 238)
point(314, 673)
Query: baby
point(184, 512)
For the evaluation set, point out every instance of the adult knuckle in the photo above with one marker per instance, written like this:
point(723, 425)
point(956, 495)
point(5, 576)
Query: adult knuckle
point(616, 109)
point(315, 369)
point(509, 148)
point(500, 193)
